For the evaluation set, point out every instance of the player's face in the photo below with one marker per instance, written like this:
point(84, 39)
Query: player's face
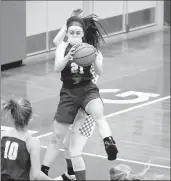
point(75, 34)
point(75, 31)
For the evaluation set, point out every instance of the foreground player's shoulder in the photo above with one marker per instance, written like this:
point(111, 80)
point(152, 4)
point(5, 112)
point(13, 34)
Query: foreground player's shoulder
point(6, 134)
point(32, 143)
point(3, 134)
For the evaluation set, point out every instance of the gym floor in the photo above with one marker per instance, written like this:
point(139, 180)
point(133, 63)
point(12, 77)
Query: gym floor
point(135, 87)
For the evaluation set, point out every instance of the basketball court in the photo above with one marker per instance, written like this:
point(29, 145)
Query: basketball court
point(135, 88)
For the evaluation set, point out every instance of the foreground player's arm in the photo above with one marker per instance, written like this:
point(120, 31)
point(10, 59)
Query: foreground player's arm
point(34, 150)
point(98, 63)
point(60, 60)
point(60, 36)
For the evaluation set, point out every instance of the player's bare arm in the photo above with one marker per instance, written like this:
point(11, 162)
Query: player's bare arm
point(98, 63)
point(60, 60)
point(34, 148)
point(60, 36)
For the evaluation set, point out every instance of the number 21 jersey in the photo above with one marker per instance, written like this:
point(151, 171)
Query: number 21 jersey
point(73, 73)
point(15, 159)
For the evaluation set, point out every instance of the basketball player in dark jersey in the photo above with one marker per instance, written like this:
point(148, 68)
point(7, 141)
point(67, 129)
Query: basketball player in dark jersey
point(19, 150)
point(78, 91)
point(77, 134)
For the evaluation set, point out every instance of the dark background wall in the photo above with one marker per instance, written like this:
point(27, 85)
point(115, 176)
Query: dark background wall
point(12, 31)
point(15, 42)
point(167, 4)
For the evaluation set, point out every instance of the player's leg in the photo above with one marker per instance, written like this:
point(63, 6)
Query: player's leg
point(70, 174)
point(82, 130)
point(77, 143)
point(52, 151)
point(77, 140)
point(94, 106)
point(64, 117)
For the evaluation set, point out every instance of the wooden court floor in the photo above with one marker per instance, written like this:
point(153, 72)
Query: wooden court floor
point(135, 88)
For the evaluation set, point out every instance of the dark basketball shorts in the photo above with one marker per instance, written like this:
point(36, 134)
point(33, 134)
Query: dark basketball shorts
point(5, 177)
point(72, 99)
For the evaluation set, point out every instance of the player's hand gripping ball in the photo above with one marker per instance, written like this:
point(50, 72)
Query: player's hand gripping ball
point(85, 54)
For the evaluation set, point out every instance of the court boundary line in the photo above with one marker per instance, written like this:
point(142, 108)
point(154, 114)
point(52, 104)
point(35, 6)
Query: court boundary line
point(138, 106)
point(117, 113)
point(44, 135)
point(120, 159)
point(121, 112)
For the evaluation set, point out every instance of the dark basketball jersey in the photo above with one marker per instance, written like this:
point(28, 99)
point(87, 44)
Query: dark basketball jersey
point(75, 74)
point(15, 159)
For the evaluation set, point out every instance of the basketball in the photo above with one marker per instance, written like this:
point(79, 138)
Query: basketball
point(85, 54)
